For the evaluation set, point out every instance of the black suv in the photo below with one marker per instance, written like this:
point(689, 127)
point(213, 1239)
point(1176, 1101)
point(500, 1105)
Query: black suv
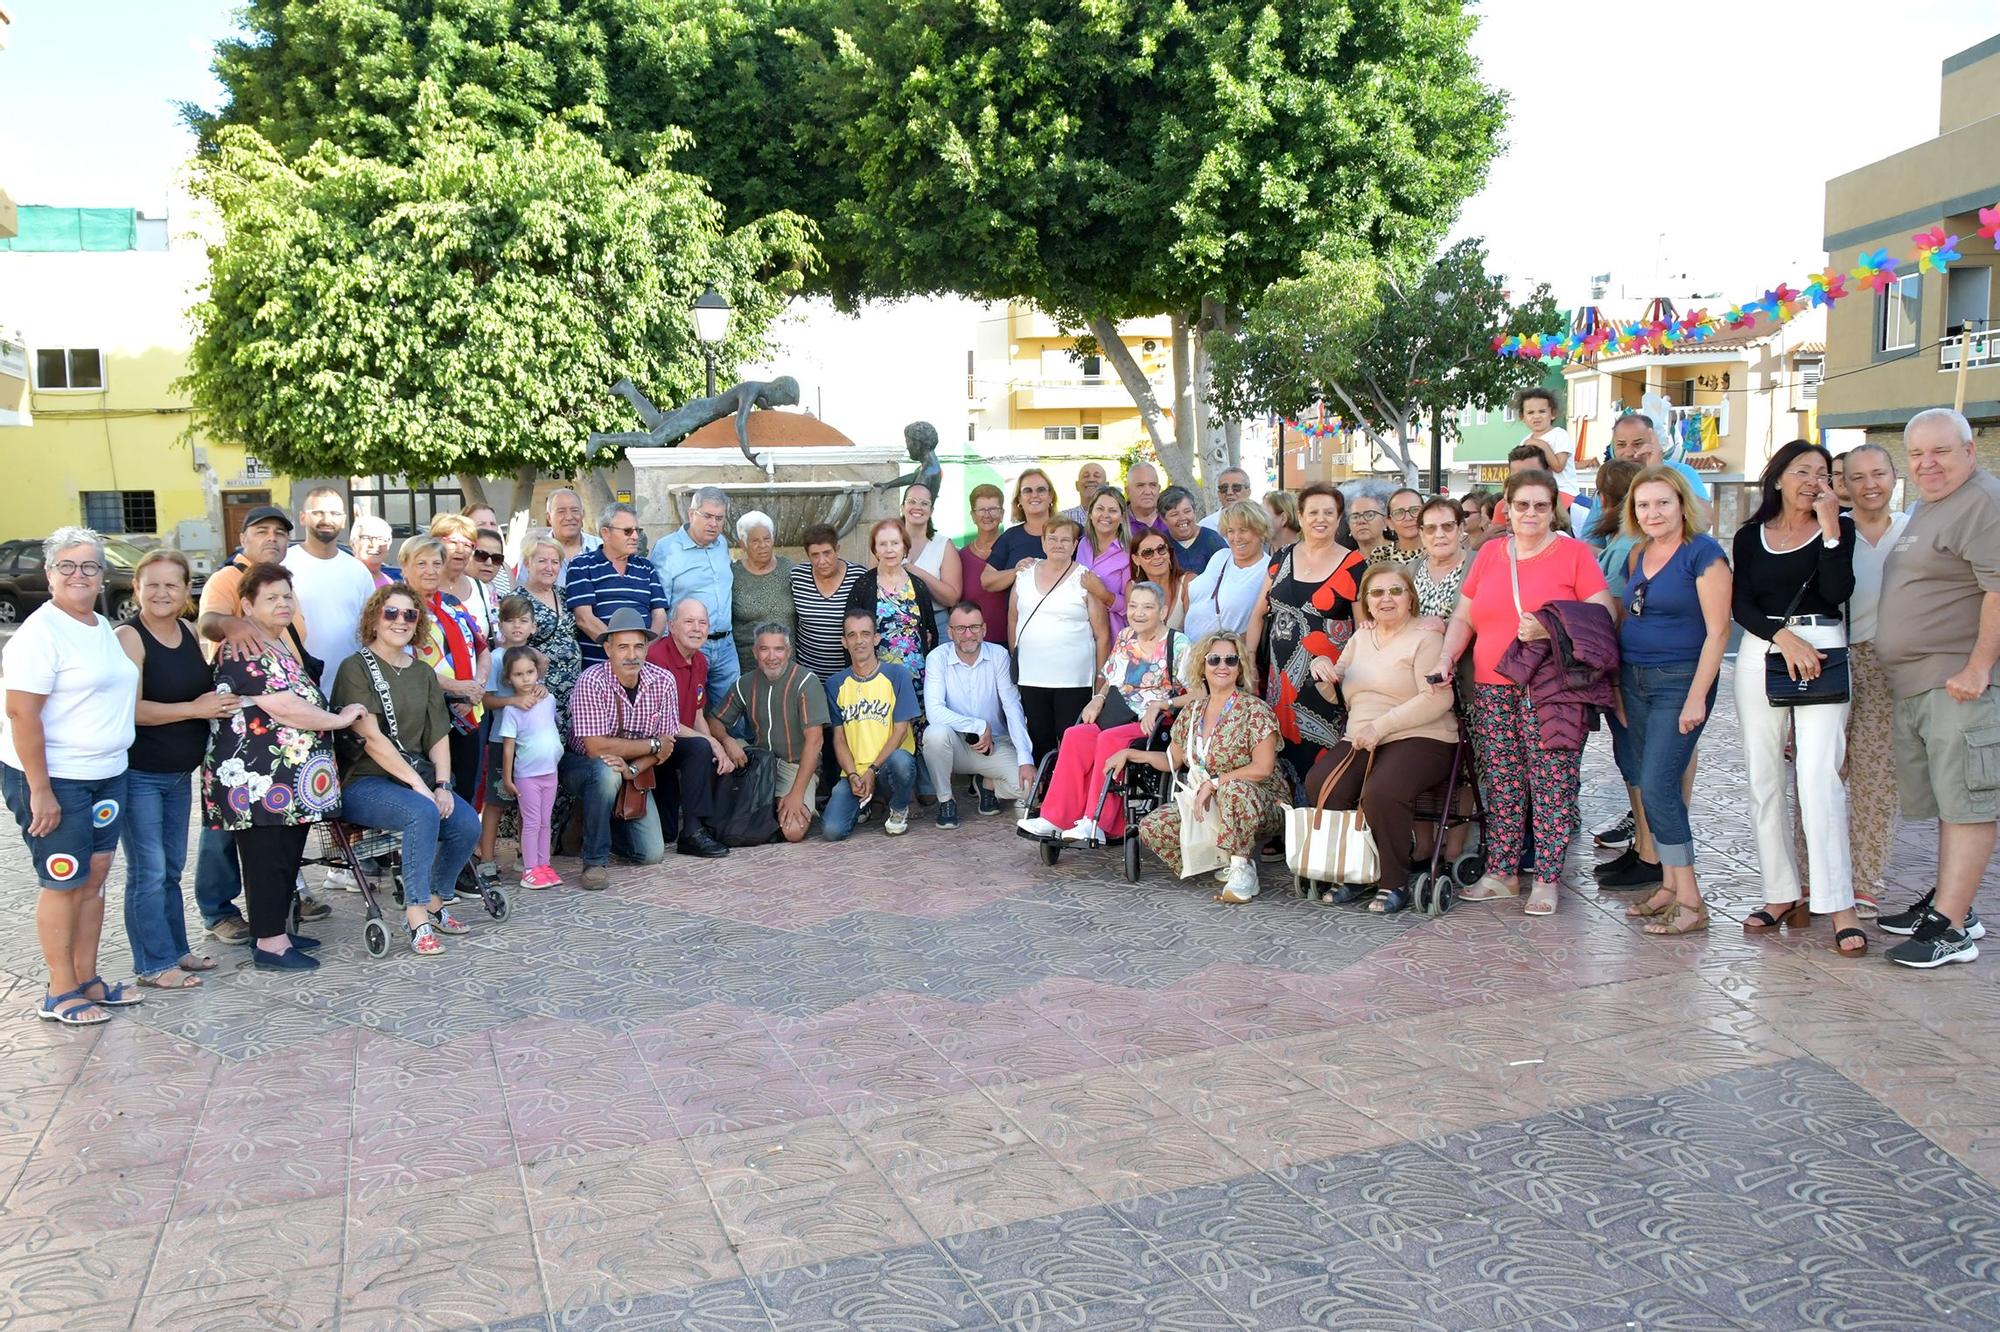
point(24, 584)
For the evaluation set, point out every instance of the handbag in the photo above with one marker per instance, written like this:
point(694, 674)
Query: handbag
point(1831, 685)
point(633, 790)
point(1201, 830)
point(1332, 845)
point(424, 768)
point(1014, 657)
point(748, 798)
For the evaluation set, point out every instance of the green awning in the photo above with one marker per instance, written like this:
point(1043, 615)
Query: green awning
point(46, 230)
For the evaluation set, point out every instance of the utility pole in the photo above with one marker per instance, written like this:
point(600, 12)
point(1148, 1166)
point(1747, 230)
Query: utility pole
point(1437, 452)
point(1281, 453)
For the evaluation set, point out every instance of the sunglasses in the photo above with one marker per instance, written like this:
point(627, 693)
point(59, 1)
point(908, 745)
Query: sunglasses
point(1530, 506)
point(1638, 606)
point(1432, 529)
point(1217, 659)
point(625, 531)
point(407, 615)
point(488, 556)
point(1148, 552)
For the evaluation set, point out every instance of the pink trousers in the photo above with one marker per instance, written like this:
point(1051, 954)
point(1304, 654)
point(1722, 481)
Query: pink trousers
point(538, 801)
point(1079, 777)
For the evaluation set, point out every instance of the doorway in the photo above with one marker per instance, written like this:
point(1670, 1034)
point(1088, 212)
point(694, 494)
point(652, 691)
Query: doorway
point(236, 506)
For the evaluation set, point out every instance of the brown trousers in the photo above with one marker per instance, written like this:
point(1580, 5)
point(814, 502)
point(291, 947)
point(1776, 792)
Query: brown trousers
point(1403, 771)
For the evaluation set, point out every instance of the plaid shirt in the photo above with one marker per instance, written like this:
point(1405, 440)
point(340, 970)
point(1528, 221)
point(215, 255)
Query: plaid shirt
point(597, 698)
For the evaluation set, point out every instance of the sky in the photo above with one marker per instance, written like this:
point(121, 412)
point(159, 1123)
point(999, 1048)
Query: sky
point(1645, 141)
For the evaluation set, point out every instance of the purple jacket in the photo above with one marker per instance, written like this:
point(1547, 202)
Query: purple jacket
point(1568, 674)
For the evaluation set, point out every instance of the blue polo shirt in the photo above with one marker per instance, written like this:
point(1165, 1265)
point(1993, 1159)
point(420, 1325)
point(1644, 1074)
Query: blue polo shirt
point(593, 582)
point(702, 572)
point(1194, 556)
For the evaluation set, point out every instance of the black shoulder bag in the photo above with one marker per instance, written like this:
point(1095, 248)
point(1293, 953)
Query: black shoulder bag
point(1831, 685)
point(425, 769)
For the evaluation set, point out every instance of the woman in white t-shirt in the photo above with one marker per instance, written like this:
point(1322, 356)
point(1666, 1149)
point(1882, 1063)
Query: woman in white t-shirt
point(72, 705)
point(1060, 635)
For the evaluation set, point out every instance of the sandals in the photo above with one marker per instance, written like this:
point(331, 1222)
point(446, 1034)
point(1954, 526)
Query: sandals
point(1490, 888)
point(1679, 919)
point(424, 941)
point(447, 923)
point(1541, 900)
point(60, 1008)
point(1389, 903)
point(196, 962)
point(1661, 903)
point(114, 995)
point(157, 981)
point(1771, 915)
point(1841, 937)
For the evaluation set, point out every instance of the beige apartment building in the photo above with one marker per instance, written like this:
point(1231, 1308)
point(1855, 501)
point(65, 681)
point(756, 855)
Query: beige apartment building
point(1891, 355)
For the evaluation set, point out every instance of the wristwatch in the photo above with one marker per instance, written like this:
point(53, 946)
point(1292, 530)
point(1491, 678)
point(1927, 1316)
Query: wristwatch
point(656, 746)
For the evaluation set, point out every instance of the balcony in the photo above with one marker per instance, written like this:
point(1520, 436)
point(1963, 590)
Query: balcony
point(1985, 351)
point(1025, 321)
point(1084, 393)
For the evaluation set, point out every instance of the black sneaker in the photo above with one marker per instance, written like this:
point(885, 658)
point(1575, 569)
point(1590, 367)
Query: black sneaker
point(1907, 920)
point(1934, 944)
point(1618, 834)
point(1619, 864)
point(1639, 874)
point(988, 802)
point(947, 815)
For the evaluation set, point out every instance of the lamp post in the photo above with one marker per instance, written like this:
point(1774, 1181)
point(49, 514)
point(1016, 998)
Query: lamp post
point(711, 326)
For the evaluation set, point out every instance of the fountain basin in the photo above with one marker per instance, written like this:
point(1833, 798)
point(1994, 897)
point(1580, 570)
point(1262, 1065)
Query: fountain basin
point(798, 487)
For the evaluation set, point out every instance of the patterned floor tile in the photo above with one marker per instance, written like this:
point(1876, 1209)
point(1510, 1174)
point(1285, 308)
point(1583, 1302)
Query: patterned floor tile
point(913, 1289)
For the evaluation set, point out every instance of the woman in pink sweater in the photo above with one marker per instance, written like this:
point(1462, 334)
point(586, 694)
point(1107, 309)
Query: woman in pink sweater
point(1400, 732)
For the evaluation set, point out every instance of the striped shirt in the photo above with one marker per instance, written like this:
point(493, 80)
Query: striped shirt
point(780, 710)
point(593, 582)
point(817, 637)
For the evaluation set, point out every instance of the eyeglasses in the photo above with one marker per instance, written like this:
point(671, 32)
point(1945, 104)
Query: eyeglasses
point(407, 614)
point(1150, 552)
point(1530, 506)
point(626, 531)
point(1407, 511)
point(978, 627)
point(1377, 592)
point(1233, 488)
point(1217, 659)
point(1638, 606)
point(1366, 516)
point(1436, 529)
point(70, 568)
point(488, 556)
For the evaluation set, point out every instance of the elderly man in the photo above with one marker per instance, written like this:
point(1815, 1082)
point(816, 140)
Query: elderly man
point(702, 748)
point(1636, 441)
point(371, 538)
point(1194, 544)
point(1937, 635)
point(693, 561)
point(611, 578)
point(565, 514)
point(873, 704)
point(1090, 478)
point(1231, 486)
point(623, 720)
point(973, 718)
point(784, 705)
point(1142, 497)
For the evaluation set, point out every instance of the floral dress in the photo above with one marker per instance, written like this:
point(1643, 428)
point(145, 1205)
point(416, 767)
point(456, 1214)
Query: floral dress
point(555, 639)
point(901, 624)
point(1308, 620)
point(260, 773)
point(1438, 596)
point(1249, 813)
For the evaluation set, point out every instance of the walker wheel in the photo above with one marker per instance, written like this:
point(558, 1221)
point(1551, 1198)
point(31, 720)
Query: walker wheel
point(1302, 887)
point(497, 905)
point(292, 921)
point(1131, 860)
point(1442, 894)
point(376, 936)
point(1051, 851)
point(1468, 867)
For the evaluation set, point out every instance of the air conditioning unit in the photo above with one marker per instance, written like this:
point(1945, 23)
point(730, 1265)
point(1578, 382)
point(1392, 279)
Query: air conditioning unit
point(1149, 346)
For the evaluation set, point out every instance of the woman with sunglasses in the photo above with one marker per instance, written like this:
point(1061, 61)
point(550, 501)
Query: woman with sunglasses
point(1153, 562)
point(1673, 629)
point(1512, 577)
point(1401, 735)
point(1227, 740)
point(1306, 609)
point(1034, 505)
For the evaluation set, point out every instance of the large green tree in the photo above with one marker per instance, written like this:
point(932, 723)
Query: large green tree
point(1384, 344)
point(462, 310)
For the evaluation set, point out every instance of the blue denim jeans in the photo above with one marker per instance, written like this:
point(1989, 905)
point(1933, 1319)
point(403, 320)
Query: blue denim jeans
point(434, 849)
point(723, 667)
point(594, 783)
point(155, 835)
point(1653, 754)
point(895, 780)
point(218, 879)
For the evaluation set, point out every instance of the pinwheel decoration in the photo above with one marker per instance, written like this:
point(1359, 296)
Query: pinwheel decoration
point(1740, 317)
point(1876, 271)
point(1989, 224)
point(1826, 288)
point(1935, 250)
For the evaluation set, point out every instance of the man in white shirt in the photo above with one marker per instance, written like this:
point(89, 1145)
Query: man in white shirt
point(331, 585)
point(1231, 487)
point(973, 716)
point(1635, 440)
point(566, 525)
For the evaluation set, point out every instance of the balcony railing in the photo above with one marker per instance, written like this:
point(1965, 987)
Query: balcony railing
point(1985, 350)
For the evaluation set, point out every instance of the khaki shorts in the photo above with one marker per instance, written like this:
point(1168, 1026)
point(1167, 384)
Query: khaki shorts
point(1948, 757)
point(789, 773)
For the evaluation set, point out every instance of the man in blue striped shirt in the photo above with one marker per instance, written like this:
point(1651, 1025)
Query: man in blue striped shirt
point(611, 578)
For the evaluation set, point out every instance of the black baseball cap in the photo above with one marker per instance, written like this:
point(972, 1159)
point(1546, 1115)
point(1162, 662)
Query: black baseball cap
point(264, 513)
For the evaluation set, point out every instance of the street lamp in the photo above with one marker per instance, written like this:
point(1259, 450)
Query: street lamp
point(711, 325)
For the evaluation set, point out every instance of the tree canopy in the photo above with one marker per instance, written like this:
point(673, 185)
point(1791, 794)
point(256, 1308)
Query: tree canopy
point(462, 310)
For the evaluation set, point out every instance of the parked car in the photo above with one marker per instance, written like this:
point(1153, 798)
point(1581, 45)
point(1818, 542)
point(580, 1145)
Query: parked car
point(24, 585)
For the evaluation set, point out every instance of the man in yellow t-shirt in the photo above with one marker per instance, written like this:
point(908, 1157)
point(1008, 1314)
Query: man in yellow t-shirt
point(874, 706)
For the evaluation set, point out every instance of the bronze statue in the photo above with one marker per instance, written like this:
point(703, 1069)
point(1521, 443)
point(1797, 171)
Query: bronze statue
point(666, 429)
point(921, 439)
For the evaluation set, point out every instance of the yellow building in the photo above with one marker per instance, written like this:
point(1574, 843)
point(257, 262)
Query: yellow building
point(100, 296)
point(1890, 355)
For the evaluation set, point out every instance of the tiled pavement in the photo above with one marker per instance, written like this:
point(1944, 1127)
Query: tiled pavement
point(931, 1084)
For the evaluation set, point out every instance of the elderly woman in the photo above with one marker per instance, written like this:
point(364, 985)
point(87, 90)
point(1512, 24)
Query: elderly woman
point(1227, 740)
point(904, 615)
point(460, 538)
point(1224, 595)
point(397, 773)
point(555, 631)
point(1283, 509)
point(1060, 636)
point(69, 724)
point(1106, 553)
point(1144, 672)
point(988, 506)
point(760, 588)
point(371, 539)
point(933, 559)
point(1401, 734)
point(456, 648)
point(1305, 610)
point(269, 775)
point(177, 701)
point(1441, 572)
point(1511, 579)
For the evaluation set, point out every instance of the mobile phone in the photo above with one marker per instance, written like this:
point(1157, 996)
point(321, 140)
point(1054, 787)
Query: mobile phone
point(1435, 677)
point(970, 737)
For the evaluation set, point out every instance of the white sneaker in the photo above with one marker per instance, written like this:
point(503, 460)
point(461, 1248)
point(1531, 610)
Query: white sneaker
point(898, 822)
point(1241, 883)
point(1222, 875)
point(1085, 831)
point(339, 881)
point(1038, 827)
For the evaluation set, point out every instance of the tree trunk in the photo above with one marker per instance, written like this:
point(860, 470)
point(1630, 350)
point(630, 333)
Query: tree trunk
point(1184, 405)
point(525, 477)
point(472, 488)
point(1217, 453)
point(1180, 467)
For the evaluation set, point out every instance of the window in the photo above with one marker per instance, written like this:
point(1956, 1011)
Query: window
point(1093, 369)
point(114, 511)
point(969, 428)
point(1810, 369)
point(405, 506)
point(76, 368)
point(1507, 414)
point(1058, 432)
point(1896, 314)
point(1480, 416)
point(1090, 432)
point(1968, 295)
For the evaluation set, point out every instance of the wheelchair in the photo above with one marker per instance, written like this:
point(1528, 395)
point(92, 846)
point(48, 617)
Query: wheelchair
point(1142, 788)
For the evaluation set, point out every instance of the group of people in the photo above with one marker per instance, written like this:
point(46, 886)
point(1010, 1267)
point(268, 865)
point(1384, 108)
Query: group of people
point(1310, 647)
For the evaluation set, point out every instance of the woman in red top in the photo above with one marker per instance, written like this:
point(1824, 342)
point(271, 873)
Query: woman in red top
point(1516, 772)
point(1306, 615)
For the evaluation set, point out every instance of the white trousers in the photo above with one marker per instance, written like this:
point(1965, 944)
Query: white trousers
point(1819, 748)
point(946, 753)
